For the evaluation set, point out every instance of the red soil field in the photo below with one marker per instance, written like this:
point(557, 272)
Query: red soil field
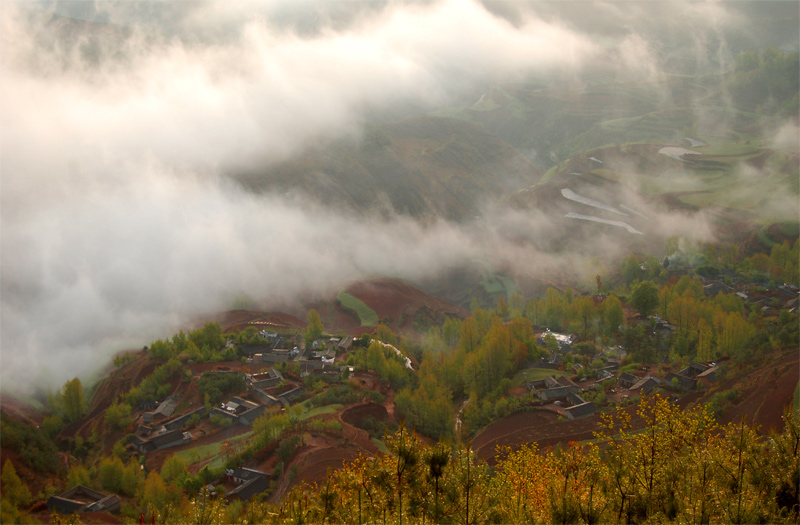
point(356, 413)
point(236, 320)
point(765, 393)
point(324, 452)
point(540, 426)
point(400, 304)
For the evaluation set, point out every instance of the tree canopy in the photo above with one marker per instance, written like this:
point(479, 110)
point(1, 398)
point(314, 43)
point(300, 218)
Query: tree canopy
point(644, 298)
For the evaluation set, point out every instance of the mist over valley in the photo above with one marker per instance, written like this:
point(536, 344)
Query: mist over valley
point(163, 163)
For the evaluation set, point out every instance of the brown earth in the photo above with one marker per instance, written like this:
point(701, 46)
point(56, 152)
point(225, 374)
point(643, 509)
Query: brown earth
point(107, 391)
point(324, 452)
point(236, 320)
point(537, 426)
point(775, 233)
point(356, 413)
point(20, 410)
point(401, 305)
point(764, 393)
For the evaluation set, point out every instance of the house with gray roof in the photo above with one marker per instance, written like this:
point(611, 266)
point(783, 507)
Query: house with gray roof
point(645, 385)
point(262, 380)
point(251, 482)
point(681, 381)
point(708, 376)
point(83, 499)
point(293, 394)
point(550, 388)
point(582, 410)
point(182, 421)
point(694, 369)
point(264, 398)
point(163, 410)
point(627, 380)
point(240, 411)
point(162, 440)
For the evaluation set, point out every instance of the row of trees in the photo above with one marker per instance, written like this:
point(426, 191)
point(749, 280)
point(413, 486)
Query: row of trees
point(671, 466)
point(204, 345)
point(780, 265)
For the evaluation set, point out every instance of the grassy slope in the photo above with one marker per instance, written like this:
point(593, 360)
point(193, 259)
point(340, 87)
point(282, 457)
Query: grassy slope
point(203, 452)
point(365, 314)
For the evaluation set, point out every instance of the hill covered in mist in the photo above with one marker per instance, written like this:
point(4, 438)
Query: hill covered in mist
point(164, 160)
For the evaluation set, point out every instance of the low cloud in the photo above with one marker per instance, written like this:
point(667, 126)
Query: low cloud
point(119, 220)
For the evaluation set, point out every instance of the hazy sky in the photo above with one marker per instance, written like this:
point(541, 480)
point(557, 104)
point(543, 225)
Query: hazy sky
point(118, 220)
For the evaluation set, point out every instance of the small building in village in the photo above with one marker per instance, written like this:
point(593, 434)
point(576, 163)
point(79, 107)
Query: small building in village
point(83, 499)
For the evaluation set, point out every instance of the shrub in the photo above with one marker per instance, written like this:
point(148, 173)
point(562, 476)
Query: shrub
point(220, 421)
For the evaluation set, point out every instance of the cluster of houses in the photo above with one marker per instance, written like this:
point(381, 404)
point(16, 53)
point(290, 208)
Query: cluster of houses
point(787, 296)
point(318, 359)
point(79, 499)
point(565, 393)
point(692, 375)
point(157, 431)
point(266, 389)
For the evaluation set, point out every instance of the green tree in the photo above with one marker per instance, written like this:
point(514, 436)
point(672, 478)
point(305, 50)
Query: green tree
point(118, 415)
point(174, 470)
point(314, 329)
point(551, 344)
point(644, 298)
point(110, 472)
point(631, 269)
point(51, 425)
point(72, 398)
point(78, 475)
point(613, 314)
point(14, 490)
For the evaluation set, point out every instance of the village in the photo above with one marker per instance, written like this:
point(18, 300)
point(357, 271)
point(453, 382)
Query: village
point(275, 372)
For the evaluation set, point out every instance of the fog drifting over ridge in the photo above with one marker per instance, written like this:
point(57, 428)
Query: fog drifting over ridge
point(118, 220)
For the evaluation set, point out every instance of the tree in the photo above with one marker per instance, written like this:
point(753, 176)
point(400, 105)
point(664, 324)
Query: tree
point(631, 269)
point(72, 398)
point(644, 298)
point(118, 415)
point(551, 344)
point(405, 450)
point(314, 329)
point(110, 472)
point(614, 316)
point(585, 310)
point(468, 335)
point(502, 308)
point(14, 490)
point(450, 331)
point(174, 470)
point(554, 307)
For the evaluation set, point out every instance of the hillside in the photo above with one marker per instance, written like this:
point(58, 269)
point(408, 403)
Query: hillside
point(421, 166)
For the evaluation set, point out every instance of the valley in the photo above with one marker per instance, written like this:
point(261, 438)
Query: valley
point(367, 262)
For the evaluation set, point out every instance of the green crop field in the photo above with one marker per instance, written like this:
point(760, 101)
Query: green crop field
point(533, 374)
point(327, 409)
point(203, 452)
point(366, 315)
